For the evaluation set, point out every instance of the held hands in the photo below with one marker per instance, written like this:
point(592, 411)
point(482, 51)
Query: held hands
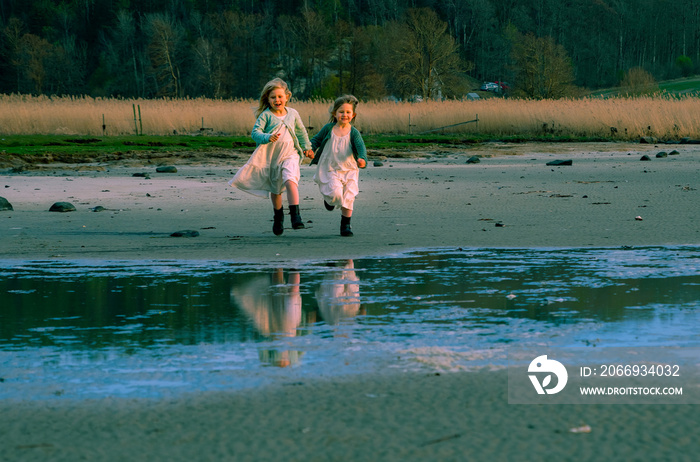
point(309, 154)
point(361, 163)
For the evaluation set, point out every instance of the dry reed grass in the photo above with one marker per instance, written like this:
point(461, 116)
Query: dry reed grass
point(665, 118)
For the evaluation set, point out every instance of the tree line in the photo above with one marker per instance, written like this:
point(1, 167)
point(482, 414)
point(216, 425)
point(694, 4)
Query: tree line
point(371, 48)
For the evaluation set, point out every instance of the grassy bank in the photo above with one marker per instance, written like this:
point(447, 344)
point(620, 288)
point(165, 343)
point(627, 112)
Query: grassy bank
point(665, 118)
point(70, 148)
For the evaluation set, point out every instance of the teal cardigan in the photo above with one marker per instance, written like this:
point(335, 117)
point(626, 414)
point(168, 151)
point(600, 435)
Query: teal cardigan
point(318, 142)
point(267, 124)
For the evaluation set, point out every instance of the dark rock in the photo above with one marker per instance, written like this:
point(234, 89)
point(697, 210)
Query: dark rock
point(167, 169)
point(645, 157)
point(473, 160)
point(99, 208)
point(62, 207)
point(689, 141)
point(185, 233)
point(142, 175)
point(673, 153)
point(378, 163)
point(561, 162)
point(648, 140)
point(662, 154)
point(5, 204)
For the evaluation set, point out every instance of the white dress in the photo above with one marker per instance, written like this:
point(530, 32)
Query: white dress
point(337, 174)
point(338, 295)
point(270, 166)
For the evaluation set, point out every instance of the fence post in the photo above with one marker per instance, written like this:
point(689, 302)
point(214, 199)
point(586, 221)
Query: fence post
point(140, 121)
point(136, 127)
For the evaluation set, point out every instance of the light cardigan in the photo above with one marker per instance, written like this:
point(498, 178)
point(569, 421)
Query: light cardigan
point(267, 124)
point(318, 142)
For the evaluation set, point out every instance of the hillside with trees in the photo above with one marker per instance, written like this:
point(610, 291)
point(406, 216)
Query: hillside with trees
point(372, 48)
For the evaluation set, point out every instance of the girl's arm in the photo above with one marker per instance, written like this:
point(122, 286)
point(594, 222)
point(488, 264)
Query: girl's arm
point(318, 137)
point(258, 134)
point(359, 150)
point(301, 133)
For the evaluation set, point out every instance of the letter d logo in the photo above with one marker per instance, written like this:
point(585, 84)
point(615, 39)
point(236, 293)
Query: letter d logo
point(542, 364)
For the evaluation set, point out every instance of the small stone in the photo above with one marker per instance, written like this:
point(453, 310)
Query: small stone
point(98, 208)
point(638, 218)
point(378, 163)
point(645, 158)
point(142, 175)
point(185, 233)
point(673, 153)
point(648, 140)
point(167, 169)
point(5, 204)
point(500, 225)
point(561, 162)
point(473, 160)
point(662, 154)
point(581, 429)
point(62, 207)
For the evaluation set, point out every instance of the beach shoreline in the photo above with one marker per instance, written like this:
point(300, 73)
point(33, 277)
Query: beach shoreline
point(383, 417)
point(607, 198)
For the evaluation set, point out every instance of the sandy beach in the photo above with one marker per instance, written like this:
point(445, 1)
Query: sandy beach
point(510, 199)
point(607, 197)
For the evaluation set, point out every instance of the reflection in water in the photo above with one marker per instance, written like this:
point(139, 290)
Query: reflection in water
point(274, 308)
point(338, 295)
point(103, 323)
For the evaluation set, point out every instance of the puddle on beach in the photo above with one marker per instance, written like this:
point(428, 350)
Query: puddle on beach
point(152, 328)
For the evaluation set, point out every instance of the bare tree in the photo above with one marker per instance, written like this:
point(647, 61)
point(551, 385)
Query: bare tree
point(544, 68)
point(426, 55)
point(165, 50)
point(33, 55)
point(309, 46)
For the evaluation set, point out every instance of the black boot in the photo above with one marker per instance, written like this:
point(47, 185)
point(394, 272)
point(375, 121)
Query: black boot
point(345, 229)
point(278, 221)
point(328, 206)
point(296, 217)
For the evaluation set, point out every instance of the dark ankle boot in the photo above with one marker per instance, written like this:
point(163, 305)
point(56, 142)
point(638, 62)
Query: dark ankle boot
point(278, 221)
point(297, 223)
point(345, 229)
point(328, 206)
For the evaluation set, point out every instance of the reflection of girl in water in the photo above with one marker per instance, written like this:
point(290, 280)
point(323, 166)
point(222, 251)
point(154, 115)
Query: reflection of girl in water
point(274, 308)
point(338, 296)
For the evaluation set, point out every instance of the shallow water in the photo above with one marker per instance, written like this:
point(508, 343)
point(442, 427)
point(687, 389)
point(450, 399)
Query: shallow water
point(154, 328)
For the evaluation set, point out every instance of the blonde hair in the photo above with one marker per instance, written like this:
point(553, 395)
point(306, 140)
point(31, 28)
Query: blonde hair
point(265, 94)
point(345, 99)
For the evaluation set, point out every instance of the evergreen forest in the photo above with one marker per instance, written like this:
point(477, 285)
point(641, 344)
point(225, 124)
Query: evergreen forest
point(374, 49)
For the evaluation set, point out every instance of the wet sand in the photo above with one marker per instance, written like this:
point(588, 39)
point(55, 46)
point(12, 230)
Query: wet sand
point(511, 200)
point(446, 417)
point(608, 197)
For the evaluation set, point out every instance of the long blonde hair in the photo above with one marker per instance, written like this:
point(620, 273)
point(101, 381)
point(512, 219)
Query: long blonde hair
point(345, 99)
point(265, 94)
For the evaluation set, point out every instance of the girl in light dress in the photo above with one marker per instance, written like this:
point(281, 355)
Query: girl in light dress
point(340, 152)
point(273, 168)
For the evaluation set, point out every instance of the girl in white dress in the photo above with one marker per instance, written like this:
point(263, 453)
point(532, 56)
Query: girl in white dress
point(274, 165)
point(340, 153)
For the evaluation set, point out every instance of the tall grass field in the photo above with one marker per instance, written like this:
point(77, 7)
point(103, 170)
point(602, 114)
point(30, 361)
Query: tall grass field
point(617, 118)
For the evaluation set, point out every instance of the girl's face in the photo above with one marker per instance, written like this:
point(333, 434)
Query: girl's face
point(345, 114)
point(277, 99)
